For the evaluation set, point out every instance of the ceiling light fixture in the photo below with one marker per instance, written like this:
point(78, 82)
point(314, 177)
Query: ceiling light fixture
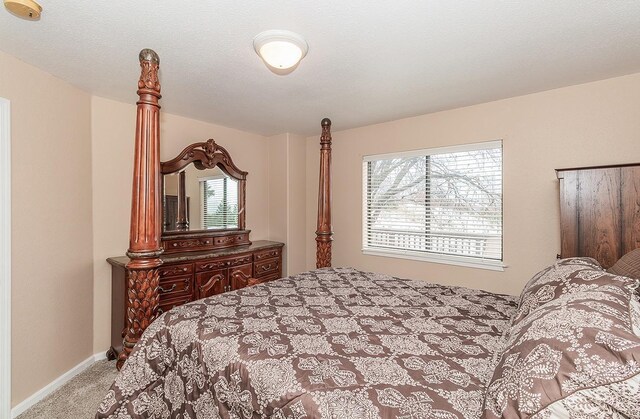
point(26, 9)
point(280, 50)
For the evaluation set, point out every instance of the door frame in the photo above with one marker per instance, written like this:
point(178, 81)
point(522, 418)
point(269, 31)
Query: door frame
point(5, 258)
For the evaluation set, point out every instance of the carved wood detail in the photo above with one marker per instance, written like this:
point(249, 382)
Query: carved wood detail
point(206, 266)
point(142, 302)
point(178, 242)
point(240, 276)
point(185, 244)
point(175, 270)
point(268, 254)
point(146, 217)
point(211, 265)
point(204, 155)
point(240, 261)
point(324, 231)
point(211, 283)
point(323, 254)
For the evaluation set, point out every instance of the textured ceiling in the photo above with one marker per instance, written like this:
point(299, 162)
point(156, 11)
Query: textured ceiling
point(369, 61)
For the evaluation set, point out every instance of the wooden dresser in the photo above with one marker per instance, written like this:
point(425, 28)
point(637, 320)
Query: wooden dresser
point(190, 276)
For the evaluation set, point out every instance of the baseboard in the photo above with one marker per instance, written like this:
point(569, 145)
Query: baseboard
point(55, 384)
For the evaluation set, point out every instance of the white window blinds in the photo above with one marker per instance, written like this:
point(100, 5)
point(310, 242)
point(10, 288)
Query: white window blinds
point(219, 202)
point(444, 203)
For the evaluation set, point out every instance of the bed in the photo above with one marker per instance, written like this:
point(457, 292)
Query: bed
point(342, 343)
point(317, 344)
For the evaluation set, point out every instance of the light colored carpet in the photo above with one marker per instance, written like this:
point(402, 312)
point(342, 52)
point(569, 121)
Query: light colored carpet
point(79, 398)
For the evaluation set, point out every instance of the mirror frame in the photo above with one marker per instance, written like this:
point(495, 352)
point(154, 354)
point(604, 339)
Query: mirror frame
point(207, 155)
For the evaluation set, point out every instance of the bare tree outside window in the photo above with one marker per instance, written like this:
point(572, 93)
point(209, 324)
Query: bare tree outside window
point(448, 203)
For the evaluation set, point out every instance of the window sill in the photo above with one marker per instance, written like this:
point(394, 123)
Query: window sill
point(493, 265)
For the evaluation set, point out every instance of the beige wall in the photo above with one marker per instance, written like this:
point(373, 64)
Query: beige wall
point(590, 124)
point(287, 203)
point(51, 219)
point(278, 202)
point(296, 184)
point(113, 129)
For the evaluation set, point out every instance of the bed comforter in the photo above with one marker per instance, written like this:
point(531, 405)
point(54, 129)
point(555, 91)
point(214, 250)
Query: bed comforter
point(331, 343)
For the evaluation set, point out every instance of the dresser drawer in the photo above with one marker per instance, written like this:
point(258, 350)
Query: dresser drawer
point(181, 245)
point(167, 304)
point(266, 267)
point(268, 254)
point(263, 279)
point(222, 263)
point(175, 270)
point(234, 240)
point(175, 286)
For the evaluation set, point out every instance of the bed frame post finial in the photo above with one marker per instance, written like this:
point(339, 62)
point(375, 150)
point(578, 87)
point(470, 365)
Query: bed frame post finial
point(146, 228)
point(324, 230)
point(149, 65)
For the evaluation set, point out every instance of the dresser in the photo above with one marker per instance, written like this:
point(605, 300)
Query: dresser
point(192, 275)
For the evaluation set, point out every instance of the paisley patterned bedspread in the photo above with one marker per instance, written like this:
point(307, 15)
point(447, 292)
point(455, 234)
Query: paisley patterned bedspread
point(331, 343)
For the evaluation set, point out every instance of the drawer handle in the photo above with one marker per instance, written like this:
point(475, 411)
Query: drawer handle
point(185, 269)
point(266, 267)
point(165, 290)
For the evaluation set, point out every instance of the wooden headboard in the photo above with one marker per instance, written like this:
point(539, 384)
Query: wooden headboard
point(600, 211)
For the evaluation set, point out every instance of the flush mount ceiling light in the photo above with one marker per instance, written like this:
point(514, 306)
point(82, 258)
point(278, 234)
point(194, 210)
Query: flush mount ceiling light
point(26, 9)
point(280, 50)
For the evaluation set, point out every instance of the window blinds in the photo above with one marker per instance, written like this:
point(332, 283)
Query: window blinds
point(219, 202)
point(445, 201)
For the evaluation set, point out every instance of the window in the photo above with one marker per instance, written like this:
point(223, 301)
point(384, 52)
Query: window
point(442, 205)
point(219, 209)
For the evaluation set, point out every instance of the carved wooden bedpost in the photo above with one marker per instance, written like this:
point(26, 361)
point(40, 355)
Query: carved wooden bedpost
point(146, 229)
point(324, 231)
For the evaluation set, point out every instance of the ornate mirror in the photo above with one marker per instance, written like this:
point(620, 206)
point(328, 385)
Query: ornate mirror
point(203, 199)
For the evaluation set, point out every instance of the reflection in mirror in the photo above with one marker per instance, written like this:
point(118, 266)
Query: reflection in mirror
point(200, 200)
point(220, 202)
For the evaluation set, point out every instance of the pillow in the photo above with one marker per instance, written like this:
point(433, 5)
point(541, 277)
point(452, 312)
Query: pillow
point(576, 356)
point(628, 265)
point(564, 276)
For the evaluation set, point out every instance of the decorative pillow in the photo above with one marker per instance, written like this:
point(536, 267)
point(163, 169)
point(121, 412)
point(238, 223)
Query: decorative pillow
point(628, 265)
point(577, 356)
point(566, 275)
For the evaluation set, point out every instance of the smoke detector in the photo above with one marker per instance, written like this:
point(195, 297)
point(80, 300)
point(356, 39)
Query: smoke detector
point(26, 9)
